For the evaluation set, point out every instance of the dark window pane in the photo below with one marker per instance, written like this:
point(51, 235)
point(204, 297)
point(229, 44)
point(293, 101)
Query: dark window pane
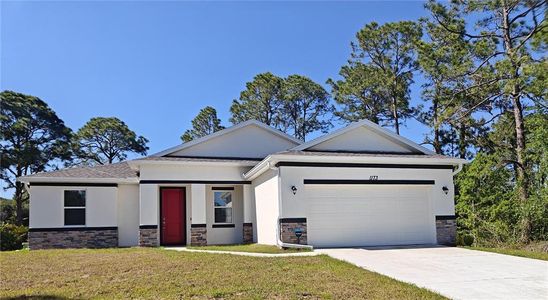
point(75, 198)
point(75, 216)
point(223, 215)
point(223, 199)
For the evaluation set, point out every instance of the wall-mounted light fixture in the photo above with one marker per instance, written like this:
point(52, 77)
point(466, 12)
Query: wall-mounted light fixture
point(445, 189)
point(294, 189)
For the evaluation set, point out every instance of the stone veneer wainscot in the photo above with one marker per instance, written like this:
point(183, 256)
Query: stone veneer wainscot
point(446, 230)
point(78, 237)
point(248, 233)
point(288, 227)
point(198, 235)
point(148, 236)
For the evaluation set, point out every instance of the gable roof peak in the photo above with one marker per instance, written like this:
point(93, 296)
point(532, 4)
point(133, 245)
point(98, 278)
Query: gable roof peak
point(226, 131)
point(370, 125)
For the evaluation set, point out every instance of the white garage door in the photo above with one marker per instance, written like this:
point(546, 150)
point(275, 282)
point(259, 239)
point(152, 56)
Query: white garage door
point(369, 215)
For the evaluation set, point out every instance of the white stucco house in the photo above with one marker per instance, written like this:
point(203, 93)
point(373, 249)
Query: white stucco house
point(361, 185)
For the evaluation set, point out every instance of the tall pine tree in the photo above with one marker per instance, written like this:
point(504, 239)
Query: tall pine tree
point(388, 51)
point(306, 107)
point(261, 100)
point(205, 123)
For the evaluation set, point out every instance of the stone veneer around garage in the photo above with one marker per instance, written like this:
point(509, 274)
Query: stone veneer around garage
point(198, 235)
point(288, 227)
point(446, 230)
point(148, 236)
point(85, 237)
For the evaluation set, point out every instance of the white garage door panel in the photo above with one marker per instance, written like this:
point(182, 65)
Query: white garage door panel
point(355, 215)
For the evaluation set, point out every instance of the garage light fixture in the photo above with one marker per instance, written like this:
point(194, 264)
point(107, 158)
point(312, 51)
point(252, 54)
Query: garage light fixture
point(445, 189)
point(294, 189)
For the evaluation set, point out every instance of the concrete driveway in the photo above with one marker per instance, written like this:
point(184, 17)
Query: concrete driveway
point(455, 272)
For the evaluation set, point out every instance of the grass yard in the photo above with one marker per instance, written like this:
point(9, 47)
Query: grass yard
point(515, 252)
point(158, 273)
point(256, 248)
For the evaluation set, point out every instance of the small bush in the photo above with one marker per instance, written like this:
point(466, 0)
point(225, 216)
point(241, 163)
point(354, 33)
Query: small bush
point(468, 240)
point(12, 237)
point(465, 239)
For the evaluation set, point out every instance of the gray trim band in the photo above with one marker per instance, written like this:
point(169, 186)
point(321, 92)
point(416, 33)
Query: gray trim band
point(73, 184)
point(148, 226)
point(193, 181)
point(72, 229)
point(447, 217)
point(361, 165)
point(292, 220)
point(360, 181)
point(197, 225)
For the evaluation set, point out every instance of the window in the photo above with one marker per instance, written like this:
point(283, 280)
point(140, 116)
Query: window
point(75, 208)
point(223, 206)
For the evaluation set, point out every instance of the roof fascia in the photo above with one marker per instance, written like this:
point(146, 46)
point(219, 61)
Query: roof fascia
point(272, 160)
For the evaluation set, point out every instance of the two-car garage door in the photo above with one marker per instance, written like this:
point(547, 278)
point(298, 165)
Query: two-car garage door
point(369, 215)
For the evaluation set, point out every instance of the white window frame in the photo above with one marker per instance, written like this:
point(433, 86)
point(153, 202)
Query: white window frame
point(228, 189)
point(76, 207)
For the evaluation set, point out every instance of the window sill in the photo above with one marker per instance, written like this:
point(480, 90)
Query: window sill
point(223, 225)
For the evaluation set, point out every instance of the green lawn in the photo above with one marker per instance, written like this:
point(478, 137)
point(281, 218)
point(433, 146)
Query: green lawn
point(515, 252)
point(160, 274)
point(256, 248)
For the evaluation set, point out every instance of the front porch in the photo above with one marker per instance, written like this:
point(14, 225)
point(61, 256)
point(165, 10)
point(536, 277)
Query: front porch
point(196, 214)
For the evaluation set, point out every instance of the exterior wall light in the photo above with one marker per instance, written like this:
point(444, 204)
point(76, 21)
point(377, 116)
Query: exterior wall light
point(294, 189)
point(445, 189)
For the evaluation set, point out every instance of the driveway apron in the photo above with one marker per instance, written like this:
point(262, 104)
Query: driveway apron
point(454, 272)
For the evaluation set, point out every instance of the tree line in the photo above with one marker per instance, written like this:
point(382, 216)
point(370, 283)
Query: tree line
point(484, 83)
point(482, 66)
point(34, 139)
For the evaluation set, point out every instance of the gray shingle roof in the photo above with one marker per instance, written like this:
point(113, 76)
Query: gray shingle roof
point(122, 170)
point(116, 170)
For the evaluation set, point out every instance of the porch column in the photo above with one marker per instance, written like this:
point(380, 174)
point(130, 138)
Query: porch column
point(148, 215)
point(198, 229)
point(249, 213)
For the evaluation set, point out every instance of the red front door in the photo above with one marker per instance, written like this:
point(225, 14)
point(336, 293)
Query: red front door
point(173, 216)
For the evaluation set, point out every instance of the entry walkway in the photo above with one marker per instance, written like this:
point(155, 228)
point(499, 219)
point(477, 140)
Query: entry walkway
point(245, 253)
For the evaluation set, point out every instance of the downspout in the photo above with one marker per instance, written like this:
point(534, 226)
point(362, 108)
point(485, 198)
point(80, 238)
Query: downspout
point(459, 168)
point(279, 242)
point(287, 245)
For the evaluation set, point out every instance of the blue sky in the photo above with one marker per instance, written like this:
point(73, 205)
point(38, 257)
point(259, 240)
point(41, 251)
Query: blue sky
point(155, 64)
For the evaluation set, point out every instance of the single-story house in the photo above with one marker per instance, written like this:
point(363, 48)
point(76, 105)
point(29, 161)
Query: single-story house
point(361, 185)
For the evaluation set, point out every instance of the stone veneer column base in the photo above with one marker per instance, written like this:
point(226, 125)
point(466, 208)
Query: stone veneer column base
point(288, 227)
point(446, 230)
point(198, 235)
point(248, 233)
point(148, 236)
point(85, 237)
